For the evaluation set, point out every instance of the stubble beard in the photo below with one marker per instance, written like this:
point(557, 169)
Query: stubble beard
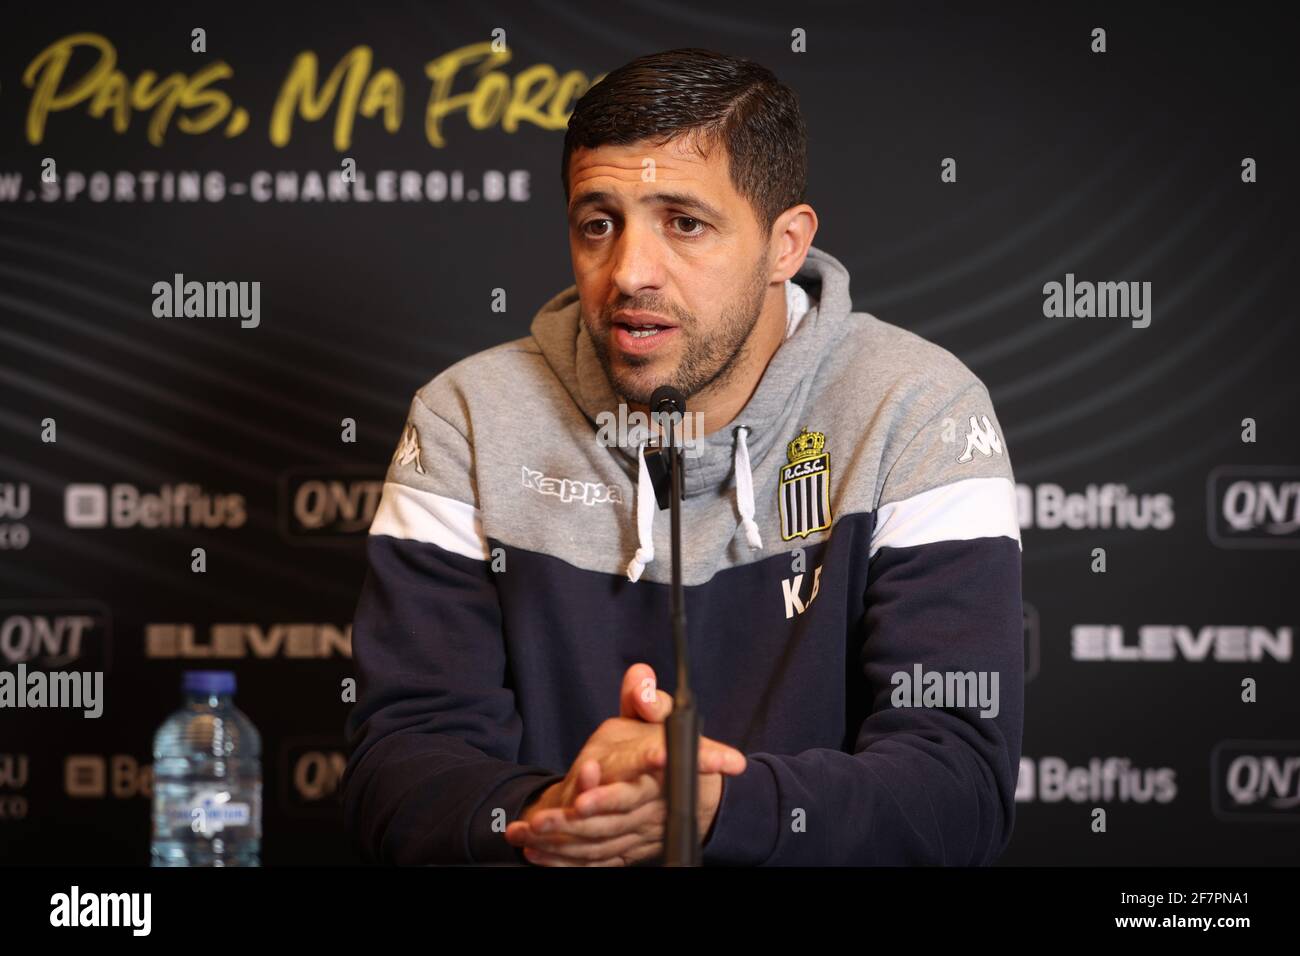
point(707, 361)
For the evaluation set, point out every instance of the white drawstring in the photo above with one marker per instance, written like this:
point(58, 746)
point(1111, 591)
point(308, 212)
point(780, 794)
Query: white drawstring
point(645, 517)
point(745, 489)
point(646, 505)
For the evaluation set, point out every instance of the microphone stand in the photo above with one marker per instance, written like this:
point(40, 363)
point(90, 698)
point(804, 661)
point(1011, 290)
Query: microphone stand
point(682, 727)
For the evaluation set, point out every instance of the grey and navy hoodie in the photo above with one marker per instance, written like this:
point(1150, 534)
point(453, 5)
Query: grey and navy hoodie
point(851, 531)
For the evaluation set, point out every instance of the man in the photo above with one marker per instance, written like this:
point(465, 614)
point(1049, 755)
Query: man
point(851, 547)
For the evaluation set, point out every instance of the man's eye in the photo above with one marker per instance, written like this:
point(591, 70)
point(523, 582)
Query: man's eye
point(588, 224)
point(691, 232)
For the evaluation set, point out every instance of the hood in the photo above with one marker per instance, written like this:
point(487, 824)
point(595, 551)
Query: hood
point(768, 420)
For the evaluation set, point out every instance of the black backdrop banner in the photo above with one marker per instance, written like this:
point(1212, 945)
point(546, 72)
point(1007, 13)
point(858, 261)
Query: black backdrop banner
point(1161, 446)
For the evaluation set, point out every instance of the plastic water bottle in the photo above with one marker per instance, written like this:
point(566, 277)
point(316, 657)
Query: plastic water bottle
point(207, 789)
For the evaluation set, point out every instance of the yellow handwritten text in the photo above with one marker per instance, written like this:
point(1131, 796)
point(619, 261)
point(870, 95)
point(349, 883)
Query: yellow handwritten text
point(107, 89)
point(538, 95)
point(383, 91)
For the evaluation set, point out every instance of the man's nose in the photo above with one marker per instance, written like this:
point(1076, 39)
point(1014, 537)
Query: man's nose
point(637, 264)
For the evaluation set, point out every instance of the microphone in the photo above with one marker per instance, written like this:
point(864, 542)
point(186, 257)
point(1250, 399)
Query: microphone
point(667, 403)
point(682, 727)
point(667, 407)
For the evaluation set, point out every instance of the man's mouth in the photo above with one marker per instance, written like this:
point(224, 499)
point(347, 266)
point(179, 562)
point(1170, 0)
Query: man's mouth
point(642, 325)
point(639, 327)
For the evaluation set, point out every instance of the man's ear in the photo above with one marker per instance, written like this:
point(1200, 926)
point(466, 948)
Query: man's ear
point(794, 230)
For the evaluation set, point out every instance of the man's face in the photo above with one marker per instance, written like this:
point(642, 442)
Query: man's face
point(671, 246)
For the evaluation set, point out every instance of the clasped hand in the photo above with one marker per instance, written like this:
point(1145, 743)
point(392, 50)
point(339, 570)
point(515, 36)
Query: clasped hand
point(610, 808)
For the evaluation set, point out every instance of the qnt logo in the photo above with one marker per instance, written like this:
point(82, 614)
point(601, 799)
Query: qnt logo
point(53, 635)
point(1254, 507)
point(328, 507)
point(315, 768)
point(1256, 781)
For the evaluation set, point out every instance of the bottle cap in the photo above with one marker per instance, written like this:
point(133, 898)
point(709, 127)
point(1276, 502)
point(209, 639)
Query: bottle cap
point(208, 682)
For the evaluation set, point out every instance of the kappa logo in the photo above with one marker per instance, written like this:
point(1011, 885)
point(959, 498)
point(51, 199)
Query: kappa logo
point(408, 449)
point(984, 440)
point(804, 493)
point(566, 489)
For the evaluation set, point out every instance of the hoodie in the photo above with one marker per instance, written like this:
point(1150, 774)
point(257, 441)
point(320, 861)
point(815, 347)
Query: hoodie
point(851, 558)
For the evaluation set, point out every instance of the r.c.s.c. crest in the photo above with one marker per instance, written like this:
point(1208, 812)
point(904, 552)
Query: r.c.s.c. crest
point(804, 493)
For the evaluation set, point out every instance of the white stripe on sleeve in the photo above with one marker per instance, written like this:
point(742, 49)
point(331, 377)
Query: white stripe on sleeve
point(406, 512)
point(958, 511)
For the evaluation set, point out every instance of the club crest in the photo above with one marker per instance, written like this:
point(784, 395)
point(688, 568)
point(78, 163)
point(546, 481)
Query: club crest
point(804, 493)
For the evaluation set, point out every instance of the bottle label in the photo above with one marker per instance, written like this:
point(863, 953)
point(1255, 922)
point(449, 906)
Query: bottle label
point(211, 812)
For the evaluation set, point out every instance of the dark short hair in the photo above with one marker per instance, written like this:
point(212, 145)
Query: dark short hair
point(714, 98)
